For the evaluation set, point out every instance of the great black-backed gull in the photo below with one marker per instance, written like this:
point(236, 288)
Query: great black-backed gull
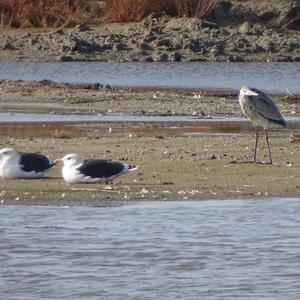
point(14, 164)
point(77, 170)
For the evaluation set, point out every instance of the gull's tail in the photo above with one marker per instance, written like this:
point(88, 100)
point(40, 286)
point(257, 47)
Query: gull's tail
point(132, 168)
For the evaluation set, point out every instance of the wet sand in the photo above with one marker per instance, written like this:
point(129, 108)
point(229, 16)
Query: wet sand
point(172, 165)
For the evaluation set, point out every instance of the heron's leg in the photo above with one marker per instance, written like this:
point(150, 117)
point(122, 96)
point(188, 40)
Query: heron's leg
point(256, 143)
point(267, 139)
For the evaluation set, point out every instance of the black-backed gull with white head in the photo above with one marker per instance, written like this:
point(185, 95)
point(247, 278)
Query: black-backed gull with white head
point(14, 164)
point(77, 170)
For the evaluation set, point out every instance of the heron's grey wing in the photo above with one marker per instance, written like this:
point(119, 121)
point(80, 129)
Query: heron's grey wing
point(266, 107)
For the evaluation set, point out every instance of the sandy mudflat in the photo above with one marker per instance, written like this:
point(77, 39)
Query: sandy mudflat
point(171, 166)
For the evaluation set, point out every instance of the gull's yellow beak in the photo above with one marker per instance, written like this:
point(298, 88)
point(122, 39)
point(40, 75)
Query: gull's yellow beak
point(57, 161)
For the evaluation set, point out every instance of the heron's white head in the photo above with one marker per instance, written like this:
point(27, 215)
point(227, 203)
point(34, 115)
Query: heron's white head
point(8, 154)
point(70, 160)
point(246, 91)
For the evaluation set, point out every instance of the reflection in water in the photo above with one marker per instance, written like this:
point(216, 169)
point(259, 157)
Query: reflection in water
point(60, 126)
point(161, 250)
point(265, 76)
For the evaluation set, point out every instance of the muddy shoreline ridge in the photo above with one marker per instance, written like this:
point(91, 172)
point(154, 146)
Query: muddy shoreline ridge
point(232, 32)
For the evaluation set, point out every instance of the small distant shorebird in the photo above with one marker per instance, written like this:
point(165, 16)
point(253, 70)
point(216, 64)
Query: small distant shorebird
point(77, 170)
point(262, 111)
point(15, 164)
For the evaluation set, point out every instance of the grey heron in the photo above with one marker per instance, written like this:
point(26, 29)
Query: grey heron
point(262, 111)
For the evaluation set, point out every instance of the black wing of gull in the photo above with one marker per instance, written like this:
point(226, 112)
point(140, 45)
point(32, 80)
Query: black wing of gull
point(98, 168)
point(35, 162)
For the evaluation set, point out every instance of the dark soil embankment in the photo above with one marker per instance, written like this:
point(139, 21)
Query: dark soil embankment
point(232, 31)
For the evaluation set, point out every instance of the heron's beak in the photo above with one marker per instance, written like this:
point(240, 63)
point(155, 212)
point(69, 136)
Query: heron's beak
point(250, 93)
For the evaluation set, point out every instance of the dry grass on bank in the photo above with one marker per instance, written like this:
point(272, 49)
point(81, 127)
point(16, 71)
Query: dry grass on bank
point(136, 10)
point(194, 8)
point(68, 13)
point(47, 13)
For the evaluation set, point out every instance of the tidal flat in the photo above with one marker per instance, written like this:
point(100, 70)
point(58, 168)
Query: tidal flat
point(173, 168)
point(172, 165)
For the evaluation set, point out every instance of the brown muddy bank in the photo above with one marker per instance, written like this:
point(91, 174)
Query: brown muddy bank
point(234, 31)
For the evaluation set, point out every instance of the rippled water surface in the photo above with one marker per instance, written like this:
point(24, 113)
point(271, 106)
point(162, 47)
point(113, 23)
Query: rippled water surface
point(161, 250)
point(266, 76)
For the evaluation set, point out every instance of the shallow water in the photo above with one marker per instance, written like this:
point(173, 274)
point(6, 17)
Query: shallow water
point(24, 117)
point(266, 76)
point(235, 249)
point(45, 125)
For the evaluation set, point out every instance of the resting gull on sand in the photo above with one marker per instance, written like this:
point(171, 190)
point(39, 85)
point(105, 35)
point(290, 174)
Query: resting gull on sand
point(14, 164)
point(77, 170)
